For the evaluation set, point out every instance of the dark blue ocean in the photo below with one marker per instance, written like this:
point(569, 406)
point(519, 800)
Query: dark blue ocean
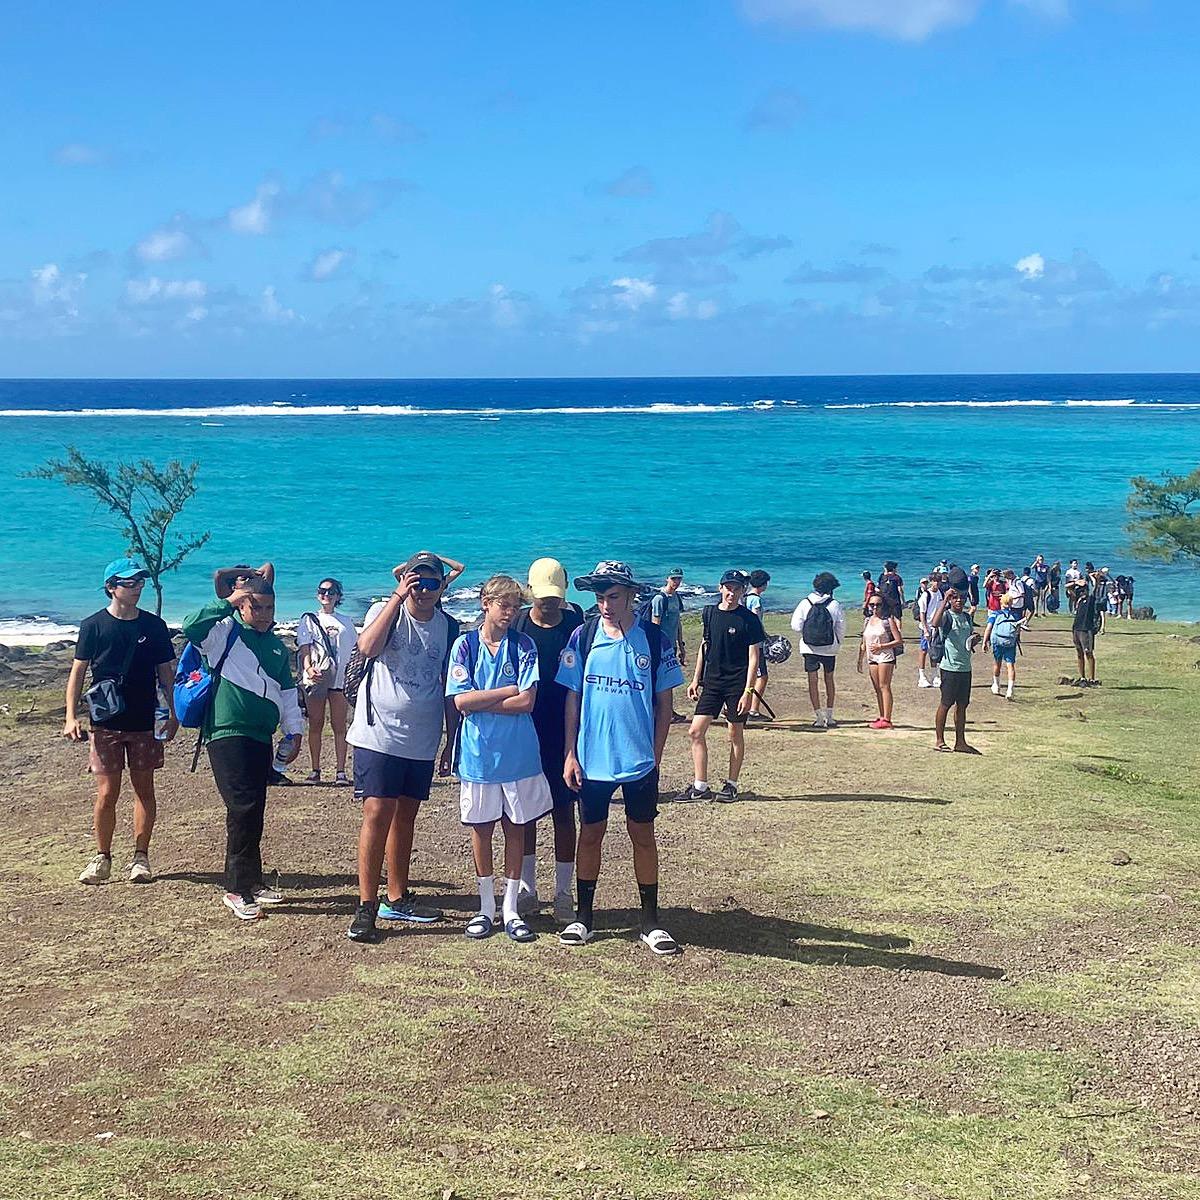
point(795, 475)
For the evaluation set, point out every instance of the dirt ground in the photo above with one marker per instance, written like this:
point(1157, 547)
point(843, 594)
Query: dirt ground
point(906, 974)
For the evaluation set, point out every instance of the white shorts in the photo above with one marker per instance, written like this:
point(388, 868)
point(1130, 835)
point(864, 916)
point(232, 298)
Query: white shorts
point(521, 802)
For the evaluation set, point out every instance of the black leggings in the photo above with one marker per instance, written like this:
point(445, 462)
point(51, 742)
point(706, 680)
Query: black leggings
point(242, 766)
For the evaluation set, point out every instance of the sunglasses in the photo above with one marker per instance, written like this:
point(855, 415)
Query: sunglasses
point(424, 583)
point(328, 592)
point(128, 583)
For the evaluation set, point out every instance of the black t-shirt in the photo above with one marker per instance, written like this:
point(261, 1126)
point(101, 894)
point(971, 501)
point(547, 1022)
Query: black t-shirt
point(729, 636)
point(549, 708)
point(1087, 614)
point(105, 642)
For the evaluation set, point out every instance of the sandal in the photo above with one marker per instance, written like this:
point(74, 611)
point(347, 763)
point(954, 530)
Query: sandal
point(575, 934)
point(313, 777)
point(519, 931)
point(661, 942)
point(341, 779)
point(480, 926)
point(943, 748)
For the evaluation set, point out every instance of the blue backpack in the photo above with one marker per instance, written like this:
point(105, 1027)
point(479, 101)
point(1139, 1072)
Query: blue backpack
point(195, 682)
point(1006, 632)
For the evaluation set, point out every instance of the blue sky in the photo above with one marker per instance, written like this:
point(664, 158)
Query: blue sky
point(521, 188)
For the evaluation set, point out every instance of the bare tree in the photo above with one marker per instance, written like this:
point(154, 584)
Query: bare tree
point(146, 498)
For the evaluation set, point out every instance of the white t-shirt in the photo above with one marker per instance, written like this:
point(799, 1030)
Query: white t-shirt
point(407, 689)
point(342, 636)
point(836, 613)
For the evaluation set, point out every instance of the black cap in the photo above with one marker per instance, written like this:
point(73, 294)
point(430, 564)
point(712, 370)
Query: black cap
point(428, 560)
point(737, 578)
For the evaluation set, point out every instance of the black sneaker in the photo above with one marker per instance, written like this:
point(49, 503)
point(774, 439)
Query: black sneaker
point(362, 928)
point(693, 795)
point(728, 792)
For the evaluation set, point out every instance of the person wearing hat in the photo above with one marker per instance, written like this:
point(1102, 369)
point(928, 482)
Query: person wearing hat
point(400, 713)
point(724, 679)
point(821, 623)
point(549, 621)
point(666, 611)
point(133, 650)
point(619, 672)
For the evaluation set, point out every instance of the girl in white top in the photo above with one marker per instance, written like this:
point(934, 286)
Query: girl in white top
point(880, 638)
point(325, 639)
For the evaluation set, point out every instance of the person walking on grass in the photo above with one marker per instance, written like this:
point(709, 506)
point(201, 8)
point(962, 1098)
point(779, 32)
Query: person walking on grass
point(550, 621)
point(132, 651)
point(325, 640)
point(956, 628)
point(759, 581)
point(254, 694)
point(928, 603)
point(1003, 638)
point(1075, 584)
point(620, 673)
point(400, 712)
point(1086, 624)
point(891, 588)
point(493, 682)
point(723, 680)
point(869, 589)
point(821, 623)
point(880, 638)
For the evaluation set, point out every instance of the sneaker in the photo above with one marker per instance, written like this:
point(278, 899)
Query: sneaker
point(922, 682)
point(527, 902)
point(243, 909)
point(313, 777)
point(139, 868)
point(405, 909)
point(936, 681)
point(98, 870)
point(564, 908)
point(1008, 695)
point(830, 723)
point(819, 721)
point(341, 779)
point(693, 795)
point(362, 928)
point(279, 779)
point(728, 793)
point(995, 687)
point(266, 895)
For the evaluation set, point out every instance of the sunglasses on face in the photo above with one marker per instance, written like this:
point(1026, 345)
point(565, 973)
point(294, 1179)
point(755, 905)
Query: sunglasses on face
point(426, 584)
point(328, 592)
point(128, 583)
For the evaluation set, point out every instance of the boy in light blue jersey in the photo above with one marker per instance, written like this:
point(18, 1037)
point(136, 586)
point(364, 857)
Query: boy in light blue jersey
point(493, 680)
point(620, 673)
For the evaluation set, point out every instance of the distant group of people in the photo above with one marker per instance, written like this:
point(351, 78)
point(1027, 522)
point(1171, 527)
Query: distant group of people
point(540, 710)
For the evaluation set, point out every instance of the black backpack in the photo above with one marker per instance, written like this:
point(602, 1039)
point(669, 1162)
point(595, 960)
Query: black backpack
point(587, 636)
point(817, 629)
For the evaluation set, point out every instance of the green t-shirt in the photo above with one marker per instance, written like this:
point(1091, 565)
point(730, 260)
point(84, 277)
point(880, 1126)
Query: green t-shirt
point(958, 629)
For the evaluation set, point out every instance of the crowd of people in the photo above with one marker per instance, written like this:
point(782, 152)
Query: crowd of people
point(541, 709)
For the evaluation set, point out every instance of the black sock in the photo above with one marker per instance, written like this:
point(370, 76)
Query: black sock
point(585, 891)
point(649, 894)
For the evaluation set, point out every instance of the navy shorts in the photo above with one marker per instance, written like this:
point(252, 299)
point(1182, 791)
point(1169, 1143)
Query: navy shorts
point(818, 662)
point(390, 776)
point(640, 797)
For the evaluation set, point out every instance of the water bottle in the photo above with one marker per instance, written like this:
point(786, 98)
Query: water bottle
point(283, 752)
point(162, 714)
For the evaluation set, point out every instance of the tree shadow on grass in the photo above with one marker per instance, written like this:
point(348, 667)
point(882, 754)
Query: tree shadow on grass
point(843, 797)
point(739, 931)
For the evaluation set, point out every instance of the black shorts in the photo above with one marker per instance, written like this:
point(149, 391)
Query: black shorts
point(640, 797)
point(552, 768)
point(714, 698)
point(389, 776)
point(956, 687)
point(817, 662)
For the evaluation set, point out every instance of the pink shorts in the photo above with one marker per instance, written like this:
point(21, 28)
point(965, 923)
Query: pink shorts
point(111, 750)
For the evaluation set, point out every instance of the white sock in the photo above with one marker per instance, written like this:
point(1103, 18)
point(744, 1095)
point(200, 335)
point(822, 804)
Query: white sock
point(701, 785)
point(529, 873)
point(564, 876)
point(511, 888)
point(487, 895)
point(1010, 690)
point(829, 714)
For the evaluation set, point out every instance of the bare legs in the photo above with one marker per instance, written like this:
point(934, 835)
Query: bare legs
point(104, 810)
point(881, 681)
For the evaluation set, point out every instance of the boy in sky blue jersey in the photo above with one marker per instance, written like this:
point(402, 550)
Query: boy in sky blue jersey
point(618, 717)
point(492, 680)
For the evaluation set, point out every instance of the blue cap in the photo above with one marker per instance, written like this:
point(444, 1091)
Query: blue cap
point(124, 568)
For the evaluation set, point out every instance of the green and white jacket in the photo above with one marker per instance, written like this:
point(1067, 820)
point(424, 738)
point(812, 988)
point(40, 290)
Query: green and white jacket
point(256, 691)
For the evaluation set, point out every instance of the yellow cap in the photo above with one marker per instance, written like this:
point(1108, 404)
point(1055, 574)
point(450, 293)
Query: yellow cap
point(548, 577)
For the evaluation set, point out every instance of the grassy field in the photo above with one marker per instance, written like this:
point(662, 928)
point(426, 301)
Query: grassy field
point(907, 975)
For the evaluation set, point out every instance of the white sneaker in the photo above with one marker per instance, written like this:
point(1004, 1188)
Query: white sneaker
point(1008, 695)
point(139, 868)
point(266, 895)
point(98, 870)
point(527, 902)
point(564, 908)
point(243, 909)
point(936, 681)
point(995, 687)
point(830, 723)
point(818, 720)
point(922, 681)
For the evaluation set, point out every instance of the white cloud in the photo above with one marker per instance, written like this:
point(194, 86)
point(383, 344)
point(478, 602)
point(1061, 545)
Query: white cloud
point(155, 290)
point(51, 286)
point(271, 308)
point(327, 263)
point(907, 20)
point(680, 308)
point(197, 312)
point(80, 154)
point(1032, 266)
point(255, 216)
point(632, 293)
point(165, 245)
